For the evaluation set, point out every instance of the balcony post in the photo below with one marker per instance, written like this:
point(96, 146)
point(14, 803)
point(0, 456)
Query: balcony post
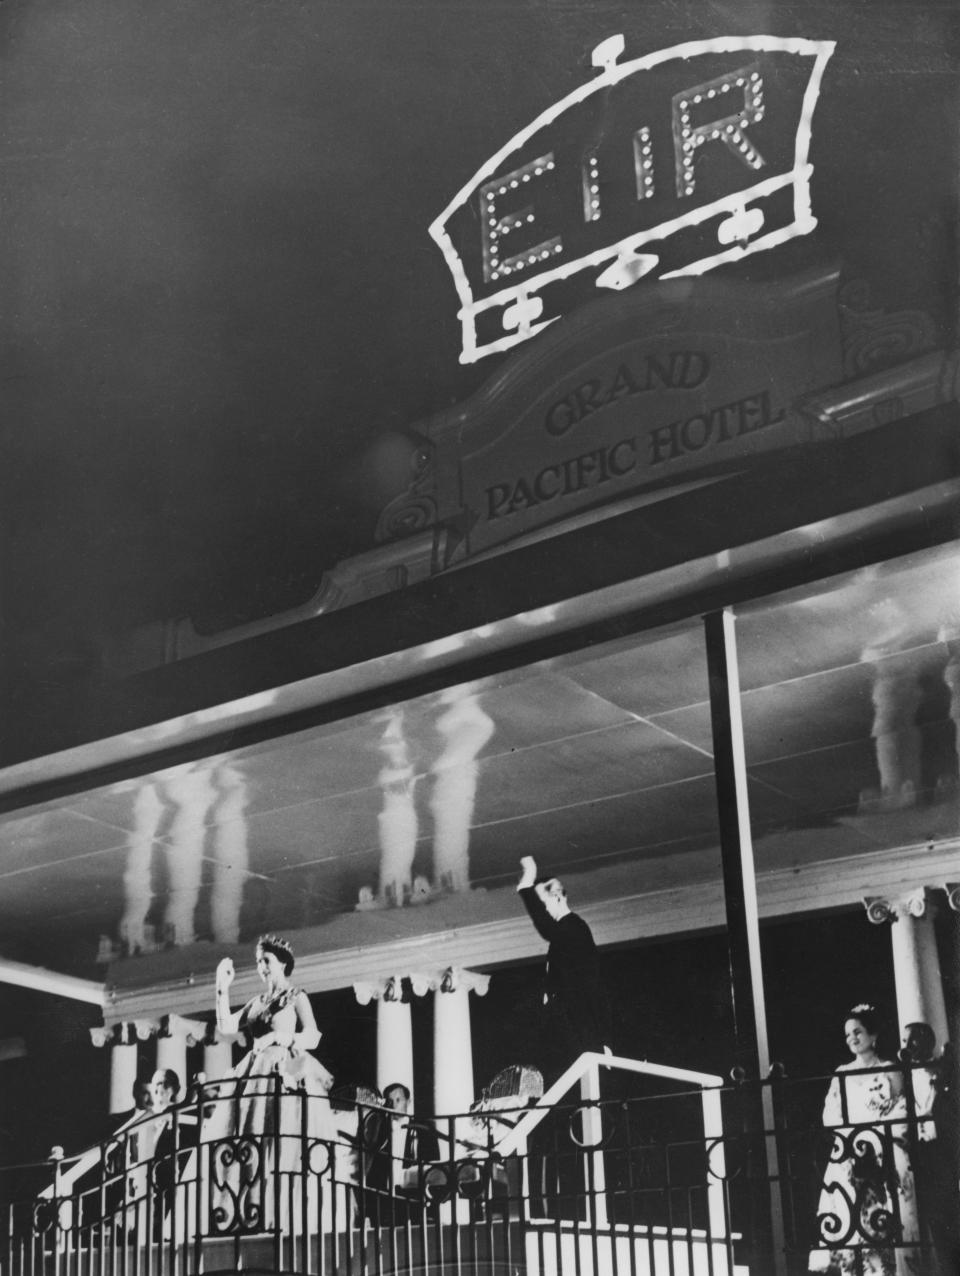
point(740, 891)
point(736, 845)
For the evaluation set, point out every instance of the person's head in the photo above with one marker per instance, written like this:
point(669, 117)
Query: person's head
point(861, 1030)
point(919, 1042)
point(164, 1088)
point(397, 1097)
point(550, 890)
point(142, 1095)
point(274, 958)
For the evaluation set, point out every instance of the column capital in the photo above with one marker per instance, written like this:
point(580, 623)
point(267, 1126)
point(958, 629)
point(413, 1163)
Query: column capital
point(879, 910)
point(912, 903)
point(124, 1032)
point(455, 977)
point(449, 979)
point(953, 895)
point(440, 979)
point(146, 1028)
point(388, 988)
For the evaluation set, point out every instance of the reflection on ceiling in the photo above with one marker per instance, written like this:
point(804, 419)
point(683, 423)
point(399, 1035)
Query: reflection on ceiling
point(851, 699)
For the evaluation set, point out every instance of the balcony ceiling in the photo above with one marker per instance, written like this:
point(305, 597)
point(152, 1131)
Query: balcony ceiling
point(598, 759)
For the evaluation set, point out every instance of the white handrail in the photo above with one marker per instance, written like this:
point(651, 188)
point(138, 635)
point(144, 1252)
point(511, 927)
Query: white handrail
point(576, 1072)
point(143, 1124)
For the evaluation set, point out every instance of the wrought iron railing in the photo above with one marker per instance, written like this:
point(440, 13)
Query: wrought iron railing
point(642, 1171)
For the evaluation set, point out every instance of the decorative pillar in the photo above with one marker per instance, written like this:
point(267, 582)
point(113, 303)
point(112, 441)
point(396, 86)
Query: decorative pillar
point(217, 1055)
point(916, 963)
point(123, 1071)
point(178, 1033)
point(394, 1029)
point(122, 1039)
point(453, 1087)
point(172, 1054)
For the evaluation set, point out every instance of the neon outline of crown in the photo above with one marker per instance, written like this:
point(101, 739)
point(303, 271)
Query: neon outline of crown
point(612, 72)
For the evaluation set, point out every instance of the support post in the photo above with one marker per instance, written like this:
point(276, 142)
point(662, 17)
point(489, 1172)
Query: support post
point(594, 1169)
point(740, 888)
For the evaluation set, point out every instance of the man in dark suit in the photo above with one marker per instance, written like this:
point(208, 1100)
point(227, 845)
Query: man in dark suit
point(174, 1136)
point(415, 1141)
point(574, 990)
point(935, 1161)
point(397, 1146)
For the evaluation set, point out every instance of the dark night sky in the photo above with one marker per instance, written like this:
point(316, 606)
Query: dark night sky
point(221, 306)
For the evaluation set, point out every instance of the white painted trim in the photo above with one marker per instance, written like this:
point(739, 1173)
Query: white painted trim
point(51, 981)
point(694, 906)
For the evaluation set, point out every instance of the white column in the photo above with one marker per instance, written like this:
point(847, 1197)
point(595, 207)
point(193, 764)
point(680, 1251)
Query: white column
point(122, 1038)
point(123, 1075)
point(916, 963)
point(172, 1053)
point(217, 1058)
point(394, 1029)
point(453, 1086)
point(394, 1044)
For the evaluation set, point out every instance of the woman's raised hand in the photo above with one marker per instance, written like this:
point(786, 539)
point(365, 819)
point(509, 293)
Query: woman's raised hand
point(225, 973)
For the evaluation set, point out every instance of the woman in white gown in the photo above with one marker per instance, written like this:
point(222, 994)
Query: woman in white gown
point(866, 1214)
point(274, 1102)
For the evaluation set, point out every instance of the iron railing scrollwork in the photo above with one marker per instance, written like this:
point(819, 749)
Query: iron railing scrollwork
point(637, 1185)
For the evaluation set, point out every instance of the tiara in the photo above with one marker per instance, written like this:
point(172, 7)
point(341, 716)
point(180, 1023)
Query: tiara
point(276, 941)
point(863, 1005)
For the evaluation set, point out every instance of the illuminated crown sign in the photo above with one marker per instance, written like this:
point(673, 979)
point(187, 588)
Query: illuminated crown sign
point(667, 165)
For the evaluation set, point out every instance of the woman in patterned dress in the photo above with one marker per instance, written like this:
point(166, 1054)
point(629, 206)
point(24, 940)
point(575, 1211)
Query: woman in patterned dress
point(866, 1215)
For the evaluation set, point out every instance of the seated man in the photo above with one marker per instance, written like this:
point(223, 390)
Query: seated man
point(174, 1139)
point(399, 1146)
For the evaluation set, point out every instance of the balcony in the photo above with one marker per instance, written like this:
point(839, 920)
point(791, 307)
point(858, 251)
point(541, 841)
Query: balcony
point(620, 1167)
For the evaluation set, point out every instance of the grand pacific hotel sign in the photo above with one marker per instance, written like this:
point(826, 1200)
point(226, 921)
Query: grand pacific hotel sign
point(611, 212)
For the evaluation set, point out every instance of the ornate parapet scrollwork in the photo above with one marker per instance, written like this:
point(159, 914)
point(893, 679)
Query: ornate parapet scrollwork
point(874, 339)
point(416, 508)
